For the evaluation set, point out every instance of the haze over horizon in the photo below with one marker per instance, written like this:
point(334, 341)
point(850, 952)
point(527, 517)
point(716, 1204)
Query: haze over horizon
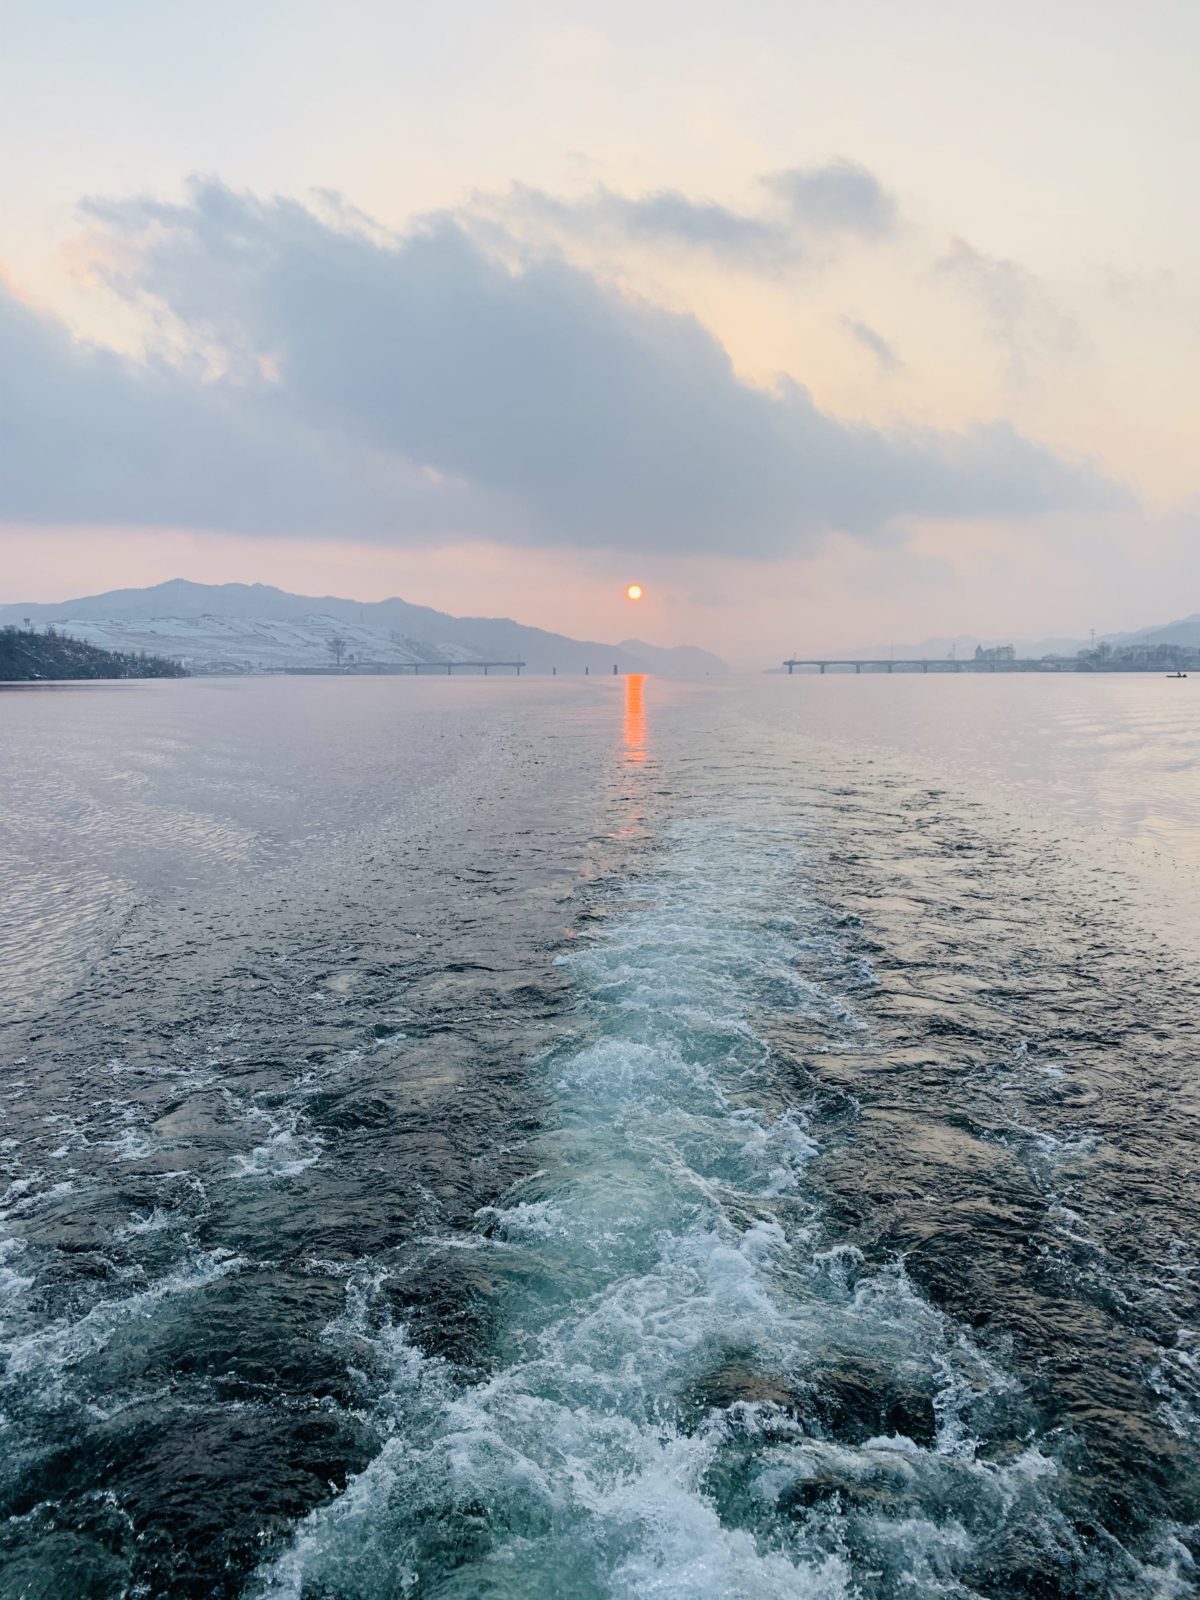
point(826, 324)
point(181, 598)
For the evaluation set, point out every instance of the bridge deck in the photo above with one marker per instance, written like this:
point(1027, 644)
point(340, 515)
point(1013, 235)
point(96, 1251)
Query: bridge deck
point(926, 664)
point(377, 669)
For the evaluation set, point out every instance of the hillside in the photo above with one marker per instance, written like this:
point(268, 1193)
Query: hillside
point(677, 661)
point(215, 644)
point(962, 646)
point(240, 627)
point(1184, 632)
point(30, 656)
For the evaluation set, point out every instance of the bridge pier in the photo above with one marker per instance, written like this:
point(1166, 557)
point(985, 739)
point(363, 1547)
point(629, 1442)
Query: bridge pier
point(857, 668)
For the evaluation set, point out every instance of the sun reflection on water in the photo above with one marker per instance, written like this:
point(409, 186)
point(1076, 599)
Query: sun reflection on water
point(634, 726)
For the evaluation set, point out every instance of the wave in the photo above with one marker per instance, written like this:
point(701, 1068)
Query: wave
point(695, 1390)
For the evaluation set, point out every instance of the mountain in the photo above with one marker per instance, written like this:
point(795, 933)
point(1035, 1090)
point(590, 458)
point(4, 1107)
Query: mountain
point(677, 661)
point(240, 626)
point(1186, 631)
point(207, 643)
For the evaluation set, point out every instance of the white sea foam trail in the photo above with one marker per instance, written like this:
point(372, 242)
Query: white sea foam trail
point(694, 1392)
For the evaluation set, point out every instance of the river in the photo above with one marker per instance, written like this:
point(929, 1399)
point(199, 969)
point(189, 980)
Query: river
point(524, 1138)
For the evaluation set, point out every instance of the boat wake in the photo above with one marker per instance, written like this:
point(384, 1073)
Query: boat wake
point(694, 1389)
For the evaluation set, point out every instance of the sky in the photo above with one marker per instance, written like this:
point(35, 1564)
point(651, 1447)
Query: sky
point(834, 323)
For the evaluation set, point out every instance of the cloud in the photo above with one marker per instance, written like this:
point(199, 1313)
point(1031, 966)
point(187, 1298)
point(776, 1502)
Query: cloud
point(88, 436)
point(417, 387)
point(808, 211)
point(1020, 313)
point(838, 197)
point(879, 347)
point(666, 217)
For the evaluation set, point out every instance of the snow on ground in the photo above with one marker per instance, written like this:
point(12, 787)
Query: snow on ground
point(240, 644)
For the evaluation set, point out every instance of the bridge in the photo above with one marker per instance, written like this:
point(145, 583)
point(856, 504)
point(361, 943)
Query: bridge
point(395, 669)
point(462, 666)
point(926, 664)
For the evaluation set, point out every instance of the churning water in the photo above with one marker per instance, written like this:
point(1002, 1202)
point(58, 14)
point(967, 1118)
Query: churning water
point(523, 1140)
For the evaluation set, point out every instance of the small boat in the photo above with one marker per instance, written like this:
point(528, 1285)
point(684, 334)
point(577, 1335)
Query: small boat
point(1176, 674)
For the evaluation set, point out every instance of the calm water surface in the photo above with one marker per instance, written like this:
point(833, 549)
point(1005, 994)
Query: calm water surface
point(524, 1139)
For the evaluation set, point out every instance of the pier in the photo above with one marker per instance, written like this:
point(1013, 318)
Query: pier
point(929, 664)
point(1174, 665)
point(376, 669)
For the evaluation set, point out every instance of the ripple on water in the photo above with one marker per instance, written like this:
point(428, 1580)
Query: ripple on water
point(836, 1242)
point(694, 1391)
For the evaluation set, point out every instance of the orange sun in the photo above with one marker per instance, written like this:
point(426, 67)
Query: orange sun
point(634, 592)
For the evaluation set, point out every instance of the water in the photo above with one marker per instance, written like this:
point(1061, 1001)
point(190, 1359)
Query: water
point(523, 1139)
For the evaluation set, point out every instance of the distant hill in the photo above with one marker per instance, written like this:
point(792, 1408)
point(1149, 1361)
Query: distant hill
point(31, 655)
point(1186, 631)
point(231, 625)
point(961, 645)
point(676, 661)
point(209, 644)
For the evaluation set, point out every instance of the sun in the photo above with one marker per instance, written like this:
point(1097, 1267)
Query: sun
point(634, 592)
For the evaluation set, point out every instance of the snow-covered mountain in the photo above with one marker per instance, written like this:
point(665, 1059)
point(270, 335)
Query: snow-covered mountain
point(239, 627)
point(244, 644)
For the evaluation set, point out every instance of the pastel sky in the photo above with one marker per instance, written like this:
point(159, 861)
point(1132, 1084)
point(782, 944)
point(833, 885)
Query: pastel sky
point(833, 322)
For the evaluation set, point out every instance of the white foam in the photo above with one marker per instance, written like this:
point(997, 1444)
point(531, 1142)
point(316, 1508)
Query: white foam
point(39, 1359)
point(12, 1283)
point(284, 1153)
point(668, 1232)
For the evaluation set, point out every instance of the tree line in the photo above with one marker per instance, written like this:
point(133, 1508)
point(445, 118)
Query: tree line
point(28, 655)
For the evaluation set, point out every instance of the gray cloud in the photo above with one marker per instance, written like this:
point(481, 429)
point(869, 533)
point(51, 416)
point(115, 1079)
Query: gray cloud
point(839, 197)
point(864, 334)
point(667, 217)
point(89, 436)
point(809, 210)
point(420, 386)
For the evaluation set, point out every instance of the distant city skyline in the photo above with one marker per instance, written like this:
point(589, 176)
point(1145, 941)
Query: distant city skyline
point(827, 324)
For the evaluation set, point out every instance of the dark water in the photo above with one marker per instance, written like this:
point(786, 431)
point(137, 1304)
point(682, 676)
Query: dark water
point(531, 1139)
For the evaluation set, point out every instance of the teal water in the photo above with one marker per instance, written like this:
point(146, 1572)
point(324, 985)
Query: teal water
point(698, 1385)
point(708, 1154)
